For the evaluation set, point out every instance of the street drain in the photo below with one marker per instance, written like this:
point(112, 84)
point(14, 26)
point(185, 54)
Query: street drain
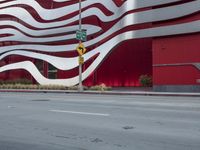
point(40, 100)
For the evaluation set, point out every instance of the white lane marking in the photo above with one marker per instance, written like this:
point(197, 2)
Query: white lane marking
point(11, 106)
point(92, 101)
point(80, 113)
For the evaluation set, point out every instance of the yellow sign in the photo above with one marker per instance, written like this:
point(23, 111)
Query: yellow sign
point(81, 60)
point(81, 49)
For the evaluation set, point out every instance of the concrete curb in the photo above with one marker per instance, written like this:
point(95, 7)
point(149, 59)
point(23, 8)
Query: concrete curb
point(141, 93)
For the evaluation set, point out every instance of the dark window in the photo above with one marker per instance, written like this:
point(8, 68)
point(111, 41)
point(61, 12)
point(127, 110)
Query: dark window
point(52, 72)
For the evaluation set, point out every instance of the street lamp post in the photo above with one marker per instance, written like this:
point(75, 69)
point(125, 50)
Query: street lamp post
point(80, 64)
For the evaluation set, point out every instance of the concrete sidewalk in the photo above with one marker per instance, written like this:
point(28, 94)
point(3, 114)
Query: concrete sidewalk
point(114, 91)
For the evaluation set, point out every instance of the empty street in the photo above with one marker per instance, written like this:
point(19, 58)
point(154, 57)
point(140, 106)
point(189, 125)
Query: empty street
point(49, 121)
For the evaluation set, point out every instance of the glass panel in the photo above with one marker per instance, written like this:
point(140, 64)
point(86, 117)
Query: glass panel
point(52, 72)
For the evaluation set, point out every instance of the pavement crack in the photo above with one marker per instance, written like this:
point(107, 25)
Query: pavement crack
point(119, 145)
point(128, 127)
point(160, 123)
point(96, 140)
point(64, 137)
point(40, 100)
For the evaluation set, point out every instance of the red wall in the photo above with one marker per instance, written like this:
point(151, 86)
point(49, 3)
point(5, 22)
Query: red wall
point(181, 51)
point(177, 53)
point(125, 64)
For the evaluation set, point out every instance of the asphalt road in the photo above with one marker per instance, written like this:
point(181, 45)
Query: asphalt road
point(98, 122)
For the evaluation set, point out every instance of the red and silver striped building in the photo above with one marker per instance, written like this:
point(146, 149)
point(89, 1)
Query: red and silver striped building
point(126, 39)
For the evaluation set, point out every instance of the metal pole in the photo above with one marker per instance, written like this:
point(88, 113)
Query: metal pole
point(80, 18)
point(80, 65)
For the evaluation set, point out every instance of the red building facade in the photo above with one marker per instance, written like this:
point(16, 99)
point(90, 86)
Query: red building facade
point(126, 39)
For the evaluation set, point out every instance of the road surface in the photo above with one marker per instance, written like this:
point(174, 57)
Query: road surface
point(44, 121)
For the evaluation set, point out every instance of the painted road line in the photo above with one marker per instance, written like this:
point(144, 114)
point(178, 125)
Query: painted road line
point(83, 101)
point(80, 113)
